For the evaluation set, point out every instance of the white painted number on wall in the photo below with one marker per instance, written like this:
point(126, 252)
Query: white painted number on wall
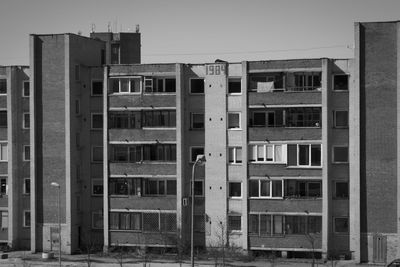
point(215, 69)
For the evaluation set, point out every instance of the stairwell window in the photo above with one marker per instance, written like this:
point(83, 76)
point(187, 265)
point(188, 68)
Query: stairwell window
point(235, 155)
point(97, 88)
point(97, 154)
point(97, 220)
point(3, 86)
point(341, 118)
point(341, 82)
point(27, 186)
point(340, 154)
point(234, 223)
point(195, 151)
point(25, 89)
point(97, 121)
point(234, 85)
point(341, 190)
point(197, 121)
point(234, 120)
point(3, 151)
point(27, 153)
point(3, 118)
point(235, 189)
point(341, 225)
point(3, 186)
point(26, 121)
point(97, 187)
point(27, 218)
point(197, 86)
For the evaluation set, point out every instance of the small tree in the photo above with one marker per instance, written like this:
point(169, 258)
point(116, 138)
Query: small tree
point(311, 238)
point(90, 245)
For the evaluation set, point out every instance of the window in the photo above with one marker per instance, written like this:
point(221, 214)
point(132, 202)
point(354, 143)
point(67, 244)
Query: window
point(303, 117)
point(341, 190)
point(97, 121)
point(97, 220)
point(114, 53)
point(235, 155)
point(27, 218)
point(341, 225)
point(194, 152)
point(127, 221)
point(307, 81)
point(302, 189)
point(235, 189)
point(233, 120)
point(142, 187)
point(97, 154)
point(3, 186)
point(3, 151)
point(146, 152)
point(265, 188)
point(197, 86)
point(265, 82)
point(124, 120)
point(4, 220)
point(97, 88)
point(159, 85)
point(341, 118)
point(77, 107)
point(25, 89)
point(3, 86)
point(301, 225)
point(159, 187)
point(309, 155)
point(197, 121)
point(77, 72)
point(125, 85)
point(269, 153)
point(199, 223)
point(234, 223)
point(234, 86)
point(199, 188)
point(27, 186)
point(26, 121)
point(3, 118)
point(97, 187)
point(265, 225)
point(340, 154)
point(27, 153)
point(341, 82)
point(151, 222)
point(159, 118)
point(271, 118)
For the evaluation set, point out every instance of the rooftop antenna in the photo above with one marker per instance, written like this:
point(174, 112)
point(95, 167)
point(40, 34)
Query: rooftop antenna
point(109, 27)
point(93, 26)
point(137, 28)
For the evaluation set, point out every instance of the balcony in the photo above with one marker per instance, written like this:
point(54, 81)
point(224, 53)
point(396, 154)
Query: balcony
point(311, 205)
point(283, 133)
point(286, 242)
point(146, 239)
point(143, 203)
point(142, 100)
point(149, 168)
point(148, 134)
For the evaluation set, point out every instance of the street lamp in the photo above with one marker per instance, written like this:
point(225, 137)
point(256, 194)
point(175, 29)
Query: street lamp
point(199, 160)
point(59, 221)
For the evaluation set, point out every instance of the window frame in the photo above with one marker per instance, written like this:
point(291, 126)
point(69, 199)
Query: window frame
point(24, 153)
point(235, 149)
point(229, 190)
point(335, 119)
point(24, 191)
point(265, 161)
point(24, 219)
point(348, 82)
point(93, 183)
point(235, 79)
point(229, 230)
point(155, 85)
point(334, 225)
point(309, 156)
point(3, 143)
point(228, 120)
point(335, 196)
point(190, 86)
point(91, 88)
point(192, 121)
point(92, 154)
point(191, 153)
point(260, 196)
point(110, 85)
point(92, 114)
point(23, 88)
point(24, 120)
point(333, 154)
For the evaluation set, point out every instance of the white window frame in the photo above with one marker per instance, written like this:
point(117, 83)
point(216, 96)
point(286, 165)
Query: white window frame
point(255, 153)
point(24, 219)
point(240, 120)
point(2, 143)
point(24, 153)
point(335, 120)
point(24, 186)
point(235, 155)
point(97, 213)
point(91, 121)
point(141, 84)
point(309, 156)
point(191, 152)
point(93, 182)
point(23, 88)
point(163, 78)
point(235, 79)
point(190, 86)
point(348, 82)
point(241, 223)
point(333, 154)
point(24, 121)
point(91, 86)
point(270, 189)
point(92, 153)
point(241, 190)
point(334, 224)
point(191, 120)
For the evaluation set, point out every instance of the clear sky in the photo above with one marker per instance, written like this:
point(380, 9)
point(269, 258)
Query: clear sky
point(199, 31)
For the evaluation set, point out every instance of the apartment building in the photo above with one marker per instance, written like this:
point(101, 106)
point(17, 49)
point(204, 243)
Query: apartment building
point(300, 154)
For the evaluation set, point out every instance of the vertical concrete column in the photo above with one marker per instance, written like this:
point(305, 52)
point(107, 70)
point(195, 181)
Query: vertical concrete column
point(215, 152)
point(180, 179)
point(32, 110)
point(354, 153)
point(326, 157)
point(105, 160)
point(244, 169)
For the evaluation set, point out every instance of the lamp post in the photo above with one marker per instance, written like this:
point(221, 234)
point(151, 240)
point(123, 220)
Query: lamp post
point(199, 160)
point(59, 221)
